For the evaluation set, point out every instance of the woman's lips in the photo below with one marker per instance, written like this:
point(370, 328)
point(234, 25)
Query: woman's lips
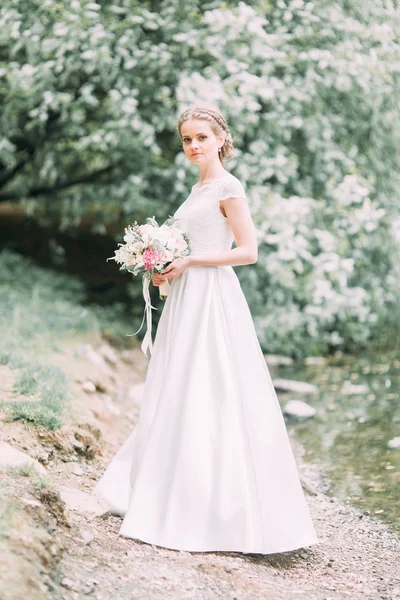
point(195, 154)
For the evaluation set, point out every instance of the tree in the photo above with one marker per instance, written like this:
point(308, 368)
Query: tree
point(90, 94)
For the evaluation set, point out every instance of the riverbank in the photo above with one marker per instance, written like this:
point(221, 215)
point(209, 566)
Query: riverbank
point(57, 543)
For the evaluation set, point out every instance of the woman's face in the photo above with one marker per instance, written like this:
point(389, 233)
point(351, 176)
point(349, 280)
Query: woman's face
point(200, 143)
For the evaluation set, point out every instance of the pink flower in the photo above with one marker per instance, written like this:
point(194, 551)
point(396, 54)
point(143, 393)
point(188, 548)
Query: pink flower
point(150, 258)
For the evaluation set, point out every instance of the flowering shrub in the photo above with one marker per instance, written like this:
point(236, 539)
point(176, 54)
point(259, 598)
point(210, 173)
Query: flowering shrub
point(318, 279)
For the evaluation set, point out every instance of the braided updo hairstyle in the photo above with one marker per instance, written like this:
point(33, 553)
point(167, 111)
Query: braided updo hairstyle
point(217, 123)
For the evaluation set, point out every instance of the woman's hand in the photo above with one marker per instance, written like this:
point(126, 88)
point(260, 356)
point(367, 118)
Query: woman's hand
point(157, 279)
point(176, 268)
point(173, 270)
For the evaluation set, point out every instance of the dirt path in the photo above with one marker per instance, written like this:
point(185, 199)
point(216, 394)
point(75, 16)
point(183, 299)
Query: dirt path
point(356, 557)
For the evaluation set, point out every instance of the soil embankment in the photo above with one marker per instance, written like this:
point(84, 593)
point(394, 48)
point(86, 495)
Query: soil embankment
point(57, 544)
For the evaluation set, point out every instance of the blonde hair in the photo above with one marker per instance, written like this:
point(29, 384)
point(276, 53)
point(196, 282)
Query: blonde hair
point(217, 122)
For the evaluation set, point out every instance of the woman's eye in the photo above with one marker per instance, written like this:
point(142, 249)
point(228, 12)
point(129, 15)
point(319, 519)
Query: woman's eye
point(203, 137)
point(185, 140)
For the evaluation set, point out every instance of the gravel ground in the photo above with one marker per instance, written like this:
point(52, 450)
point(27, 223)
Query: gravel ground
point(355, 558)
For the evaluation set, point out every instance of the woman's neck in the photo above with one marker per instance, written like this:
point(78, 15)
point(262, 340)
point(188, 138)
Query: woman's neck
point(209, 172)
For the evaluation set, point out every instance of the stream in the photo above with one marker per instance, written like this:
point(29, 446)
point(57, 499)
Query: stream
point(358, 413)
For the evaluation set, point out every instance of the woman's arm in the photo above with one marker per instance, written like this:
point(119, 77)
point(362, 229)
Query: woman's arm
point(246, 252)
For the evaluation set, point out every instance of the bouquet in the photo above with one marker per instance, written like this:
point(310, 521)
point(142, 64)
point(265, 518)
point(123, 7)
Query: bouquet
point(147, 250)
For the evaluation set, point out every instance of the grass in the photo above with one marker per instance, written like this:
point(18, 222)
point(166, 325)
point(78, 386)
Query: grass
point(7, 511)
point(37, 307)
point(43, 482)
point(39, 480)
point(25, 470)
point(48, 391)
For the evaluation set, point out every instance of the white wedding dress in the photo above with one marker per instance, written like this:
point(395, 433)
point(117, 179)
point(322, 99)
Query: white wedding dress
point(209, 465)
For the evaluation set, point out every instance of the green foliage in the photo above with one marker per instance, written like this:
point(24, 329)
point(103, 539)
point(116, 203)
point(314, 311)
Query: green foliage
point(90, 94)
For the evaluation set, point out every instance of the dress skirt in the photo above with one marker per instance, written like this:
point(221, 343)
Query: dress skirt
point(209, 465)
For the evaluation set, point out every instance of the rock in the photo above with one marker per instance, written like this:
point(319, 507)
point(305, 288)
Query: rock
point(110, 406)
point(87, 351)
point(81, 502)
point(11, 457)
point(78, 446)
point(299, 387)
point(394, 443)
point(87, 536)
point(307, 487)
point(88, 387)
point(88, 588)
point(68, 583)
point(102, 383)
point(299, 409)
point(43, 457)
point(274, 360)
point(84, 439)
point(109, 354)
point(350, 389)
point(135, 393)
point(50, 497)
point(105, 515)
point(315, 360)
point(30, 502)
point(126, 356)
point(73, 468)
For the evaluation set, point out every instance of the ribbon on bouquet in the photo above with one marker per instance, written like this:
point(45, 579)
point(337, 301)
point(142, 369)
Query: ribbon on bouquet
point(164, 288)
point(147, 343)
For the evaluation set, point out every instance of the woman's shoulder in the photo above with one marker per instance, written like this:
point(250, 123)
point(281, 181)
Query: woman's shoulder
point(229, 177)
point(227, 186)
point(231, 187)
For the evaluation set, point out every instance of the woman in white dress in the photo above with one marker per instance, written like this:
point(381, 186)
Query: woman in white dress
point(209, 465)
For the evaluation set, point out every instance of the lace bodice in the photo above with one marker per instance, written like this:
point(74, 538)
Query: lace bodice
point(199, 216)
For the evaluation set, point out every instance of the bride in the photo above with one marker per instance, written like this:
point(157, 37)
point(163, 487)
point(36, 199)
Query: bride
point(209, 464)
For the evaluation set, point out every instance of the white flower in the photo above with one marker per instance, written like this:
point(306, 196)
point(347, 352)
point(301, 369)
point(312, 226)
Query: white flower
point(180, 244)
point(129, 238)
point(167, 256)
point(163, 235)
point(147, 232)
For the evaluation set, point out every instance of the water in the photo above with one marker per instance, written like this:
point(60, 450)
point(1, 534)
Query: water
point(350, 432)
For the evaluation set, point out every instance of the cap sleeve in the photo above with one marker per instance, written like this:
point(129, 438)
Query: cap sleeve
point(232, 189)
